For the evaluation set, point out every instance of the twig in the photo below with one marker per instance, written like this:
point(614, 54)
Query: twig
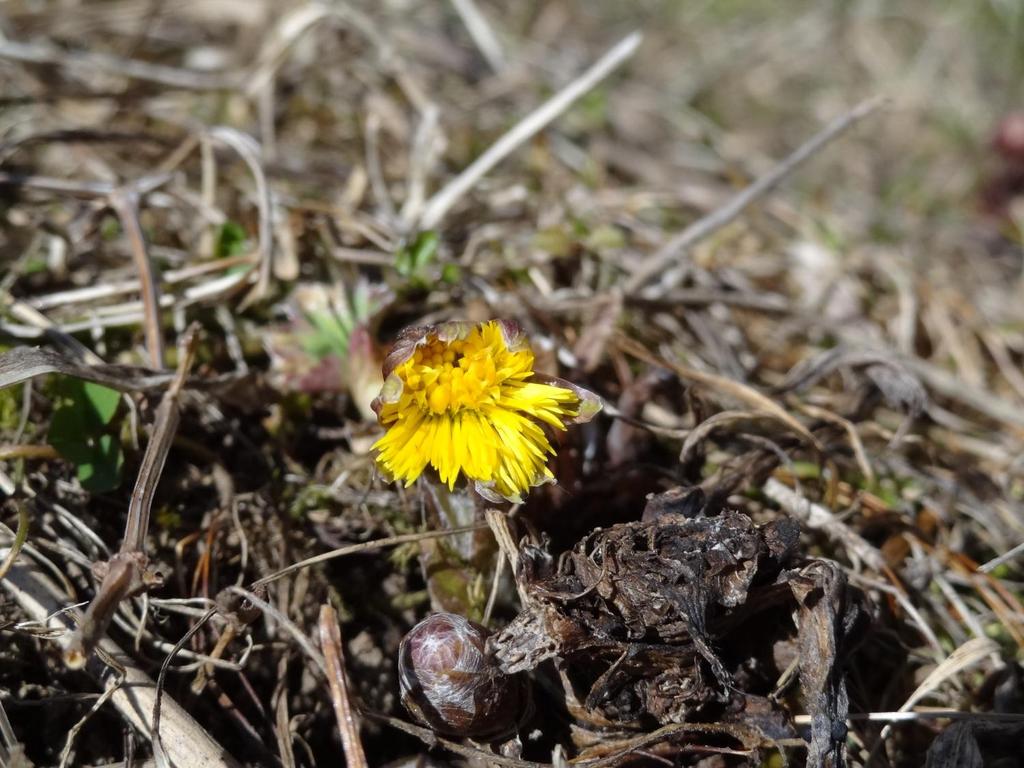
point(923, 714)
point(86, 189)
point(952, 386)
point(164, 427)
point(83, 61)
point(441, 203)
point(720, 384)
point(334, 655)
point(158, 747)
point(816, 516)
point(390, 541)
point(127, 572)
point(249, 150)
point(431, 739)
point(483, 36)
point(971, 653)
point(25, 363)
point(706, 225)
point(125, 203)
point(112, 685)
point(297, 634)
point(1006, 557)
point(851, 431)
point(187, 743)
point(497, 521)
point(27, 451)
point(59, 338)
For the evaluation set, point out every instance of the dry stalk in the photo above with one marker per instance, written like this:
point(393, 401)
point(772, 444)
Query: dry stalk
point(334, 656)
point(188, 745)
point(661, 259)
point(816, 516)
point(439, 205)
point(127, 572)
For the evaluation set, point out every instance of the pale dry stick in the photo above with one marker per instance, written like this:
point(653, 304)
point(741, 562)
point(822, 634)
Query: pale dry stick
point(21, 311)
point(1006, 557)
point(7, 485)
point(422, 156)
point(92, 293)
point(298, 22)
point(1001, 355)
point(492, 598)
point(968, 655)
point(81, 62)
point(85, 189)
point(660, 260)
point(131, 313)
point(207, 192)
point(633, 746)
point(916, 715)
point(431, 739)
point(125, 203)
point(915, 615)
point(188, 744)
point(497, 521)
point(39, 559)
point(10, 747)
point(334, 656)
point(956, 601)
point(702, 431)
point(366, 546)
point(286, 32)
point(282, 722)
point(817, 517)
point(250, 152)
point(440, 203)
point(481, 33)
point(720, 385)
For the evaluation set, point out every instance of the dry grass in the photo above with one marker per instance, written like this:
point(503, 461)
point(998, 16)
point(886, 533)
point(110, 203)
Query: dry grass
point(848, 350)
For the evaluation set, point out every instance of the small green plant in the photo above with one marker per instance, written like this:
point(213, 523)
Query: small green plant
point(232, 240)
point(81, 431)
point(412, 261)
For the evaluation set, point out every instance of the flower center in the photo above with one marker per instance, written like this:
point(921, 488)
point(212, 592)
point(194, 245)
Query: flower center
point(447, 377)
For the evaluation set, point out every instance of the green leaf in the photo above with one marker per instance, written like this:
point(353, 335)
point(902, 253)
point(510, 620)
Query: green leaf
point(102, 471)
point(102, 399)
point(329, 335)
point(451, 273)
point(10, 408)
point(69, 433)
point(231, 240)
point(78, 431)
point(411, 260)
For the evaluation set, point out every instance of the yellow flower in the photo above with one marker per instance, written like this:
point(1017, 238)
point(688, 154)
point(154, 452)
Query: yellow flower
point(464, 399)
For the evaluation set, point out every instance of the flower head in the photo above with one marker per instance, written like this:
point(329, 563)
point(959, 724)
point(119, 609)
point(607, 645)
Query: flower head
point(464, 398)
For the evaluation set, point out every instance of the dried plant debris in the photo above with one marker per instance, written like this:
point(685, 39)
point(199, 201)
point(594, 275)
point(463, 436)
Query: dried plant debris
point(976, 745)
point(677, 620)
point(796, 302)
